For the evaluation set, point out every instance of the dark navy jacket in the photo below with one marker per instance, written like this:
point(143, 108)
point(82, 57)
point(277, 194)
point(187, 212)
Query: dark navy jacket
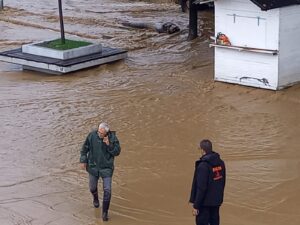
point(209, 181)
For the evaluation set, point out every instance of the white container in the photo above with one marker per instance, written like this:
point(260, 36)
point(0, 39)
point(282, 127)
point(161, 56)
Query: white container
point(265, 48)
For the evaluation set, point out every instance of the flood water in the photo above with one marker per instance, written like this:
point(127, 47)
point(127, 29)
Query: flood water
point(161, 100)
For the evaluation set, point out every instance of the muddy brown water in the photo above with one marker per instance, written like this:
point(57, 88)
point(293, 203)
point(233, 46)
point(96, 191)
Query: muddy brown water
point(161, 101)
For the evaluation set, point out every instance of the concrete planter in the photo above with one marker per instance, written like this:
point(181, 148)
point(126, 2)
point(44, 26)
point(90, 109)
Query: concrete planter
point(36, 49)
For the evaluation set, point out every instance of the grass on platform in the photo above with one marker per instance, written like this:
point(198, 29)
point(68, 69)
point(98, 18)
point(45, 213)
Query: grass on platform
point(69, 44)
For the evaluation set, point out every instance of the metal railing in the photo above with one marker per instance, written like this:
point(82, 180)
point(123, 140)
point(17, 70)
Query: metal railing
point(1, 4)
point(199, 2)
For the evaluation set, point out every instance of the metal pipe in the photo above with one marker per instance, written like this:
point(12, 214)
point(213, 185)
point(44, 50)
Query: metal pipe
point(1, 4)
point(61, 19)
point(193, 21)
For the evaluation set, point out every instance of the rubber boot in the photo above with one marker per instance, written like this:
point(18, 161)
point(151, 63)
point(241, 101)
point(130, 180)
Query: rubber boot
point(96, 199)
point(105, 208)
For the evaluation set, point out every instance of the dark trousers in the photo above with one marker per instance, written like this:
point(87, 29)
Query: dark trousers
point(93, 183)
point(208, 215)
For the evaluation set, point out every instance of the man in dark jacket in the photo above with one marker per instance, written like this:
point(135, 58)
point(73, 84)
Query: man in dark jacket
point(208, 186)
point(97, 157)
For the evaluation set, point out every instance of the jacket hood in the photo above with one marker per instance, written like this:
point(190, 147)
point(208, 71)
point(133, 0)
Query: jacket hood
point(212, 158)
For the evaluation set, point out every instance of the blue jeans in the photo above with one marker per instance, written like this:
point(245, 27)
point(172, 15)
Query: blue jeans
point(93, 184)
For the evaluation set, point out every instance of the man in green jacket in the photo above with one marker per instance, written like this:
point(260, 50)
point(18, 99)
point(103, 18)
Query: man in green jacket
point(97, 157)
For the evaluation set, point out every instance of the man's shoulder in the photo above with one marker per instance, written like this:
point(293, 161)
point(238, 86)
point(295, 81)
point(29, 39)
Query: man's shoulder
point(202, 164)
point(92, 133)
point(113, 134)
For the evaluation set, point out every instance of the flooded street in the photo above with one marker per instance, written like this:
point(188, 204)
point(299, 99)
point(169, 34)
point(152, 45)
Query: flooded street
point(161, 100)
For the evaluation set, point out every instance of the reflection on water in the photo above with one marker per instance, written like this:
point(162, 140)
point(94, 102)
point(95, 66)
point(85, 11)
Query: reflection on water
point(161, 101)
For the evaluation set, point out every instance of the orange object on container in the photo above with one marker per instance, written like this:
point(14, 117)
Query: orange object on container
point(222, 39)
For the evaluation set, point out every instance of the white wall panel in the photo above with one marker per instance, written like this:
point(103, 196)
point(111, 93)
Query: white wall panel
point(289, 50)
point(247, 68)
point(244, 27)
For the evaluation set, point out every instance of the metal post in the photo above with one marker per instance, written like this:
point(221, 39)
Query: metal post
point(1, 4)
point(193, 21)
point(61, 19)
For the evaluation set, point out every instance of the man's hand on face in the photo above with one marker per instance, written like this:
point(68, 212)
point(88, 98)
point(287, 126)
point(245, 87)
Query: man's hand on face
point(106, 140)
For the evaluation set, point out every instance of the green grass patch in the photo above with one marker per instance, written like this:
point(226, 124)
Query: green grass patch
point(69, 44)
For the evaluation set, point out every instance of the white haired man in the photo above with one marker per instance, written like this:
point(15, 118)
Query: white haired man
point(97, 157)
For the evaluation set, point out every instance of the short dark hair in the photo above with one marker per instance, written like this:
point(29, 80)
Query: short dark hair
point(206, 145)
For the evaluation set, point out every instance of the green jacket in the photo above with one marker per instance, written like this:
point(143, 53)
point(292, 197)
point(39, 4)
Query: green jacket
point(99, 156)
